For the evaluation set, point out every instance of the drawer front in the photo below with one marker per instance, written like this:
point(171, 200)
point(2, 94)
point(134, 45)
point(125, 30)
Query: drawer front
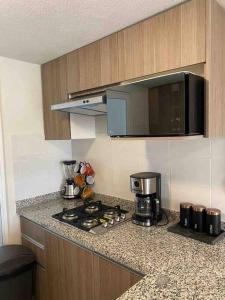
point(32, 230)
point(37, 248)
point(33, 237)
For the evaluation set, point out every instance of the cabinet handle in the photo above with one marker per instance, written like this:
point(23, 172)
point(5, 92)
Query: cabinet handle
point(32, 241)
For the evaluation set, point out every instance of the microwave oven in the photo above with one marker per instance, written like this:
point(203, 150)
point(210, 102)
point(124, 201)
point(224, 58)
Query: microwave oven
point(169, 105)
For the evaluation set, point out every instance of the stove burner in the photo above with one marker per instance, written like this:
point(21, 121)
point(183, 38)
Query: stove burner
point(89, 223)
point(69, 216)
point(110, 214)
point(91, 208)
point(93, 216)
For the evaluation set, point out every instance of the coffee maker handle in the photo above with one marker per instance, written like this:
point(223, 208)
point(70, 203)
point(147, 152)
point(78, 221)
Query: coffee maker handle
point(157, 206)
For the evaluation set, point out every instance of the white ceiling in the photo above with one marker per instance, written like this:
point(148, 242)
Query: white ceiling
point(40, 30)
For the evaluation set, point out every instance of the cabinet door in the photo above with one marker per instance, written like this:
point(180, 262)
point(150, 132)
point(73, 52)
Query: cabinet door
point(131, 52)
point(193, 32)
point(89, 66)
point(109, 60)
point(162, 42)
point(41, 284)
point(151, 46)
point(111, 280)
point(170, 40)
point(69, 270)
point(73, 82)
point(93, 65)
point(54, 89)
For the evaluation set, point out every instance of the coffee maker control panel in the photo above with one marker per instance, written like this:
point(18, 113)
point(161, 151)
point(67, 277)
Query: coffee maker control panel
point(144, 186)
point(136, 184)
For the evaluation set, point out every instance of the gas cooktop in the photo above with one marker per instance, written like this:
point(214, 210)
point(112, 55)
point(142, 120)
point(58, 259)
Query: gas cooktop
point(94, 217)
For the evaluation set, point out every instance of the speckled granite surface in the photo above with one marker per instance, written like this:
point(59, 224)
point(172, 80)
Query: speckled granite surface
point(37, 200)
point(176, 267)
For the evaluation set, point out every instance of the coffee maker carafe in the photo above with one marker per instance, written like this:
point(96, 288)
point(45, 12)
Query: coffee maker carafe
point(147, 186)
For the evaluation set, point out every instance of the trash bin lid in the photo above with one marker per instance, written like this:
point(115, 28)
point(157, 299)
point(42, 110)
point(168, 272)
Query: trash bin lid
point(14, 259)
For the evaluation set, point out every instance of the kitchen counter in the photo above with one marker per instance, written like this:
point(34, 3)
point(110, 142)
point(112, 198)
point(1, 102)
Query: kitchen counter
point(175, 267)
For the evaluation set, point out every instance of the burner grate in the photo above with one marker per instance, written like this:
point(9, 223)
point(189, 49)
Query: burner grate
point(91, 215)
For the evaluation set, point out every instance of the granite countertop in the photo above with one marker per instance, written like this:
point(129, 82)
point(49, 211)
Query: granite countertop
point(175, 267)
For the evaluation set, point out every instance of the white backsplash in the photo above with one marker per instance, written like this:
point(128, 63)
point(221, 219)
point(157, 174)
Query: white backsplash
point(36, 164)
point(192, 170)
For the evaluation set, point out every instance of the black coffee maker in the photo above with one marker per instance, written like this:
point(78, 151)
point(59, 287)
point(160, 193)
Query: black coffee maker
point(147, 186)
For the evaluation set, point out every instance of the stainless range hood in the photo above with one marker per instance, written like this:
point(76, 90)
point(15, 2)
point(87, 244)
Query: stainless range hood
point(89, 105)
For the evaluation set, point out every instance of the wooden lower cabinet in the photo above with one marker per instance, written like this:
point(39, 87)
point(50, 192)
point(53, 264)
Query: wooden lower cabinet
point(69, 270)
point(111, 280)
point(33, 237)
point(66, 271)
point(41, 284)
point(75, 273)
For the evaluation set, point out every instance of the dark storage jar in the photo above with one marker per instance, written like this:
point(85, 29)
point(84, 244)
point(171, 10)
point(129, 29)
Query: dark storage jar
point(186, 214)
point(213, 221)
point(198, 218)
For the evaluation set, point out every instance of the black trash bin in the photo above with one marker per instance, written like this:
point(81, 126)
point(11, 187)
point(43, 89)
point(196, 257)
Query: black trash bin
point(16, 272)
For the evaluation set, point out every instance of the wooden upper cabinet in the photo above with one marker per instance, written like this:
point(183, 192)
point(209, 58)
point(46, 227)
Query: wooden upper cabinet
point(84, 68)
point(93, 65)
point(54, 90)
point(170, 40)
point(73, 80)
point(109, 62)
point(150, 46)
point(131, 52)
point(193, 32)
point(89, 66)
point(162, 41)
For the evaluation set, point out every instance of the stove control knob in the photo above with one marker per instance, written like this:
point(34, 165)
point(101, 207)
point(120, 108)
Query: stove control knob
point(123, 216)
point(117, 218)
point(111, 222)
point(105, 224)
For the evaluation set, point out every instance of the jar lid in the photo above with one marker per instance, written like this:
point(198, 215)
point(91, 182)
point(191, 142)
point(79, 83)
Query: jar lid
point(199, 208)
point(213, 211)
point(186, 204)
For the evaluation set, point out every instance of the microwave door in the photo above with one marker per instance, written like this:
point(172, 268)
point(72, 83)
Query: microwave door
point(167, 110)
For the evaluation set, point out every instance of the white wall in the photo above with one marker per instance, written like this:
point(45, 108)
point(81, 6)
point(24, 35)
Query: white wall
point(3, 206)
point(192, 170)
point(31, 163)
